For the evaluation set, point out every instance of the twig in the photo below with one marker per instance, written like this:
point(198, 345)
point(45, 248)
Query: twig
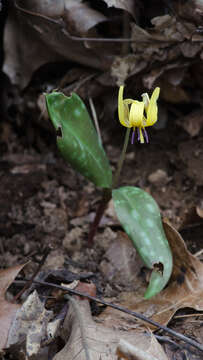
point(127, 311)
point(30, 281)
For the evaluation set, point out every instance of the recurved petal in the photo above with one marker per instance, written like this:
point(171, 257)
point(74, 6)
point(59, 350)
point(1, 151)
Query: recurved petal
point(121, 110)
point(152, 110)
point(136, 114)
point(145, 98)
point(128, 101)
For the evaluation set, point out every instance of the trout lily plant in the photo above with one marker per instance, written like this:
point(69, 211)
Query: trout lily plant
point(137, 211)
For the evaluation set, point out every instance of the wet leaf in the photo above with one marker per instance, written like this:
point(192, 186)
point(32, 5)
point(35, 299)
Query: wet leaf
point(77, 138)
point(7, 310)
point(140, 217)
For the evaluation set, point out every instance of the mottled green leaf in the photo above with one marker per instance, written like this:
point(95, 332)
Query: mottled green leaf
point(78, 140)
point(140, 217)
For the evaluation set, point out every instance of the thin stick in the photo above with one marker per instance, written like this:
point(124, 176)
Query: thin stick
point(30, 281)
point(94, 115)
point(127, 311)
point(122, 158)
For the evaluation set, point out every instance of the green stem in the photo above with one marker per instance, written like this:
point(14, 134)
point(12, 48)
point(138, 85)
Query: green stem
point(122, 158)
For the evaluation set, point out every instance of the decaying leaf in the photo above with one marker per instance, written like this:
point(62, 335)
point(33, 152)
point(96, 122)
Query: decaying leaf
point(128, 351)
point(192, 123)
point(86, 339)
point(121, 264)
point(192, 156)
point(185, 288)
point(30, 325)
point(128, 5)
point(80, 18)
point(7, 310)
point(43, 37)
point(122, 67)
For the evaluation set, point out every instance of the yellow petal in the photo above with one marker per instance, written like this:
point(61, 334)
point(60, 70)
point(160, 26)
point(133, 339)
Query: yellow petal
point(136, 114)
point(128, 101)
point(145, 98)
point(123, 111)
point(152, 110)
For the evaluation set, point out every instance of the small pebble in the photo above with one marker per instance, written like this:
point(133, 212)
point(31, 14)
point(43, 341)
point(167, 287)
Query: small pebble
point(158, 177)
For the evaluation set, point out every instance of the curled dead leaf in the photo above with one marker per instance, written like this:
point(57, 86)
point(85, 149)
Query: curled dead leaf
point(7, 310)
point(88, 339)
point(128, 5)
point(185, 288)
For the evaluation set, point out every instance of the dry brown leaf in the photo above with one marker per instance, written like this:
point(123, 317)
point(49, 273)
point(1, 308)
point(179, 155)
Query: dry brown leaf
point(7, 310)
point(122, 67)
point(30, 325)
point(80, 18)
point(128, 5)
point(120, 264)
point(199, 208)
point(185, 288)
point(191, 154)
point(43, 38)
point(193, 122)
point(128, 351)
point(83, 337)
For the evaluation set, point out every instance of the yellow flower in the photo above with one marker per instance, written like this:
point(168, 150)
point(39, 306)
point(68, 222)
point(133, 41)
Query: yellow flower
point(138, 114)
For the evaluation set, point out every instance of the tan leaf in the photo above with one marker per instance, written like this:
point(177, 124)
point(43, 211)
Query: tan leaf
point(43, 38)
point(7, 310)
point(128, 351)
point(86, 339)
point(185, 288)
point(30, 324)
point(192, 123)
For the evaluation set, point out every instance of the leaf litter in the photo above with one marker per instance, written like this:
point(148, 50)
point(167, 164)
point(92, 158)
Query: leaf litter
point(85, 338)
point(185, 288)
point(8, 310)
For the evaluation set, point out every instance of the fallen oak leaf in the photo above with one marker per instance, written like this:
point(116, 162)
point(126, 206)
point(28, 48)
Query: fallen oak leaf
point(127, 351)
point(127, 5)
point(185, 288)
point(7, 310)
point(86, 339)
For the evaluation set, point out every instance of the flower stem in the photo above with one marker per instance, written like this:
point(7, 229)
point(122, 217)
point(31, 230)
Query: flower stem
point(107, 194)
point(122, 158)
